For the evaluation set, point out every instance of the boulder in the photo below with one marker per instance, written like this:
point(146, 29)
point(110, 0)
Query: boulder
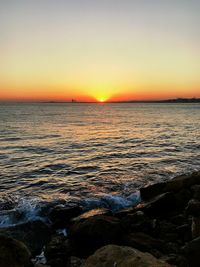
point(13, 253)
point(33, 234)
point(160, 205)
point(192, 252)
point(112, 255)
point(60, 216)
point(183, 181)
point(176, 184)
point(152, 190)
point(88, 235)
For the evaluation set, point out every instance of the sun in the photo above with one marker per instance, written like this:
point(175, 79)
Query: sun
point(101, 100)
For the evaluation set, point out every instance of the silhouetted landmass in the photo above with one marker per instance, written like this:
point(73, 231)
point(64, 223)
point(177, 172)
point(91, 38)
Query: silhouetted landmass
point(176, 100)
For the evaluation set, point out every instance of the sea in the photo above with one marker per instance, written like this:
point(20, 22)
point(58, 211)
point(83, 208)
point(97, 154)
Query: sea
point(97, 155)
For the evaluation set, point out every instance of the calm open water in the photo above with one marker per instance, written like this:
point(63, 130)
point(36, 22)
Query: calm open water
point(96, 154)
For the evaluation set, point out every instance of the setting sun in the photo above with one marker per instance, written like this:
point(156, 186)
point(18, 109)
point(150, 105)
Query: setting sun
point(102, 100)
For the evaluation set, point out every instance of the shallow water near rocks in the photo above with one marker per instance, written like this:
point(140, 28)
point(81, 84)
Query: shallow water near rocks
point(98, 155)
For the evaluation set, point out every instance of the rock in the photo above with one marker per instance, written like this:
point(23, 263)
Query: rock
point(143, 242)
point(61, 216)
point(33, 234)
point(196, 192)
point(152, 191)
point(160, 205)
point(195, 227)
point(176, 184)
point(181, 199)
point(76, 262)
point(13, 253)
point(92, 213)
point(183, 181)
point(88, 235)
point(124, 212)
point(112, 255)
point(193, 208)
point(192, 252)
point(136, 222)
point(57, 252)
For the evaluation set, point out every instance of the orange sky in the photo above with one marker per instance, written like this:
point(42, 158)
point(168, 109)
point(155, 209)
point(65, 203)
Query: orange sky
point(99, 50)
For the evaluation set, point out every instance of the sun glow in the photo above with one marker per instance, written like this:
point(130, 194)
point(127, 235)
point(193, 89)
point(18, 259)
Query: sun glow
point(102, 100)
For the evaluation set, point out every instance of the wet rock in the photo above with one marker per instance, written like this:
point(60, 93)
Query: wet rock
point(124, 212)
point(61, 216)
point(92, 213)
point(183, 181)
point(176, 184)
point(193, 208)
point(143, 242)
point(192, 252)
point(88, 235)
point(13, 253)
point(112, 255)
point(33, 234)
point(160, 205)
point(57, 252)
point(152, 191)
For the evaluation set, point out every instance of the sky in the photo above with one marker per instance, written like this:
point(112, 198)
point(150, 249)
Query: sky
point(106, 50)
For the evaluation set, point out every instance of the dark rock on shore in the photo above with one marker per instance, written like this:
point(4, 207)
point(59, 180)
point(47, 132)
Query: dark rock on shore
point(61, 216)
point(88, 235)
point(112, 255)
point(165, 224)
point(91, 213)
point(13, 253)
point(33, 234)
point(176, 184)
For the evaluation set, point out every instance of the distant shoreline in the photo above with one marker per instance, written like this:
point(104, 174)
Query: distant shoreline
point(176, 101)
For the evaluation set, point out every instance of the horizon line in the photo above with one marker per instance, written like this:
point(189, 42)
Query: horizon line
point(74, 101)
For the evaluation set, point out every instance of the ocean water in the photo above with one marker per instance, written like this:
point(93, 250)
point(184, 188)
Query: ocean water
point(98, 155)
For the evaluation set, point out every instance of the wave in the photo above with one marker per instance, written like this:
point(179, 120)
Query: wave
point(25, 209)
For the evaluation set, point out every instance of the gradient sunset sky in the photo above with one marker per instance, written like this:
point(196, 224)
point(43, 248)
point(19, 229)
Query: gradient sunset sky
point(99, 50)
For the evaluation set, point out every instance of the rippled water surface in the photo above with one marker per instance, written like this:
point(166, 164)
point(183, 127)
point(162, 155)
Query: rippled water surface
point(87, 152)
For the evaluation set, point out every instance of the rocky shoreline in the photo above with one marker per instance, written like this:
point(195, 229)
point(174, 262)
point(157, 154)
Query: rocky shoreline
point(163, 230)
